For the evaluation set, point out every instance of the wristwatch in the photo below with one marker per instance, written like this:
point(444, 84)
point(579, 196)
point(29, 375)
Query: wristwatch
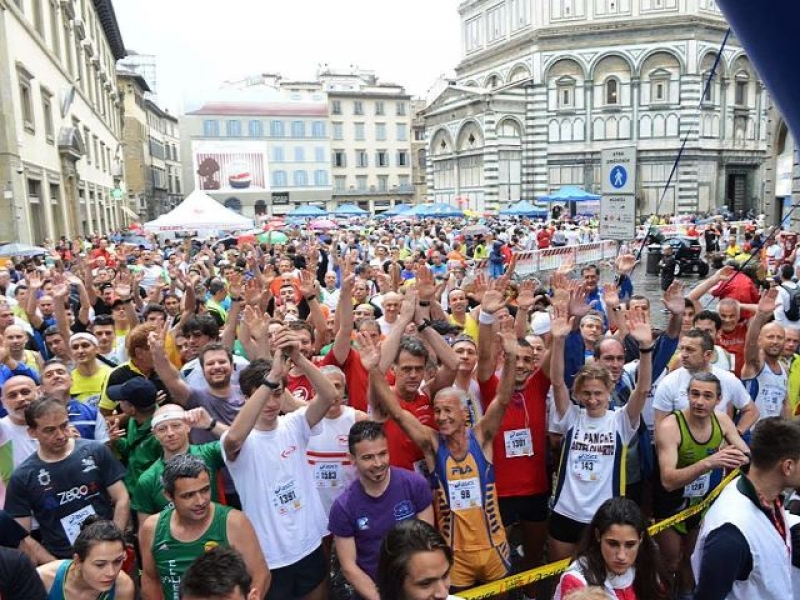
point(211, 425)
point(424, 324)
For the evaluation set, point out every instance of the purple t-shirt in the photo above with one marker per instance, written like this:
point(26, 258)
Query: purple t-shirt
point(357, 515)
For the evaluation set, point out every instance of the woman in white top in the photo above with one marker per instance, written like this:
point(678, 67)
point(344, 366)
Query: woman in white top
point(595, 439)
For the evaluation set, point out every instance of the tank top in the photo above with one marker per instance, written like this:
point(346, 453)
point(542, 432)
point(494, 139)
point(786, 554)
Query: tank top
point(58, 589)
point(768, 391)
point(329, 458)
point(468, 514)
point(172, 557)
point(691, 451)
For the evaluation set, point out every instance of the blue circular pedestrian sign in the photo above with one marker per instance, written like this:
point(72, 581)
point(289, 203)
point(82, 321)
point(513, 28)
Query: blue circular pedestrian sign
point(618, 176)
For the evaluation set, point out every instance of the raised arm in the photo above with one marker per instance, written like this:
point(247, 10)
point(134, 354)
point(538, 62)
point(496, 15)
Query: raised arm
point(35, 282)
point(493, 300)
point(705, 286)
point(489, 425)
point(560, 327)
point(254, 334)
point(752, 352)
point(383, 397)
point(178, 389)
point(344, 314)
point(642, 331)
point(674, 303)
point(308, 288)
point(286, 341)
point(60, 299)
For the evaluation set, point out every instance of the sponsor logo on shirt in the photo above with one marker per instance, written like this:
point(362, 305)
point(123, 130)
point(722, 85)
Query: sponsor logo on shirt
point(88, 464)
point(288, 451)
point(362, 523)
point(403, 510)
point(76, 493)
point(44, 477)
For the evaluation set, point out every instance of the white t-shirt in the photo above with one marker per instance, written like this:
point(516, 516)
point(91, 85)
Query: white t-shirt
point(672, 392)
point(15, 446)
point(277, 490)
point(329, 457)
point(593, 459)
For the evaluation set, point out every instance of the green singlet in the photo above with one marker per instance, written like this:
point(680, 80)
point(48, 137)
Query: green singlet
point(172, 557)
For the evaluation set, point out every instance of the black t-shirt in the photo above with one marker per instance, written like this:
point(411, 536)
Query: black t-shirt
point(62, 494)
point(18, 577)
point(101, 308)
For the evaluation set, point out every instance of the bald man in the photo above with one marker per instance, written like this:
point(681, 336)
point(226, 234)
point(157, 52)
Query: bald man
point(17, 338)
point(763, 375)
point(15, 443)
point(171, 425)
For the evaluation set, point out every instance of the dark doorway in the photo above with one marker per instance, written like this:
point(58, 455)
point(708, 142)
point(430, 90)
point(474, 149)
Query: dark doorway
point(736, 192)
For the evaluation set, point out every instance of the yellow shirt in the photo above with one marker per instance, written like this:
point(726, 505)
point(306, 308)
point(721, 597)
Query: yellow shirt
point(89, 389)
point(470, 326)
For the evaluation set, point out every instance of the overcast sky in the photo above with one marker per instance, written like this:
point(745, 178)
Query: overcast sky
point(200, 43)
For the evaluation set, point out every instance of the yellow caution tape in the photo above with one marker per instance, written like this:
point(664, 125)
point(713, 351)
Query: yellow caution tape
point(501, 586)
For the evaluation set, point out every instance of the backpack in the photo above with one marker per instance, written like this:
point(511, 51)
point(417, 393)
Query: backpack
point(793, 312)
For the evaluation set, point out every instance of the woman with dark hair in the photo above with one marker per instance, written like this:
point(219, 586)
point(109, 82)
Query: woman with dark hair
point(95, 570)
point(617, 554)
point(414, 563)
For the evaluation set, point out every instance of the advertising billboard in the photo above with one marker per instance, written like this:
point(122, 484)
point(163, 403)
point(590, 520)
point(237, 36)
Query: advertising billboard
point(230, 166)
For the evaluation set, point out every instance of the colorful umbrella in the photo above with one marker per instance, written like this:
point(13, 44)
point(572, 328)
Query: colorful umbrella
point(273, 237)
point(323, 224)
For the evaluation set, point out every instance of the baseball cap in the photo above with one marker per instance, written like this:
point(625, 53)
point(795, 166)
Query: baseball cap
point(138, 391)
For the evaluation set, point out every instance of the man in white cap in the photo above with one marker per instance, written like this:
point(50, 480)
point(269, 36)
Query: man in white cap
point(171, 425)
point(90, 375)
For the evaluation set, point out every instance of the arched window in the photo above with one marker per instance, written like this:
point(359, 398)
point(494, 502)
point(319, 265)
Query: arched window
point(612, 91)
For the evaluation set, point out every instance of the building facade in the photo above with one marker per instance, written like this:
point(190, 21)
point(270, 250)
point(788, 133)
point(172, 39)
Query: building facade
point(419, 152)
point(60, 119)
point(371, 159)
point(781, 174)
point(258, 147)
point(135, 144)
point(544, 86)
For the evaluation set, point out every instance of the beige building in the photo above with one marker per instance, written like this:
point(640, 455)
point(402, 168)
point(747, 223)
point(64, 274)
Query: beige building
point(781, 173)
point(60, 119)
point(419, 152)
point(371, 160)
point(543, 87)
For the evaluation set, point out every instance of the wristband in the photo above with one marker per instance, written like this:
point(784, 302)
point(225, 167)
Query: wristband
point(270, 384)
point(424, 302)
point(485, 318)
point(646, 350)
point(236, 299)
point(211, 425)
point(310, 298)
point(422, 327)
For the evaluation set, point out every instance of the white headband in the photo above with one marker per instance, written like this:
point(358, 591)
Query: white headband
point(83, 335)
point(170, 415)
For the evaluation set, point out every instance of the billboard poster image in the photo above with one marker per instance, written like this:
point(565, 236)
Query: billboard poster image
point(222, 166)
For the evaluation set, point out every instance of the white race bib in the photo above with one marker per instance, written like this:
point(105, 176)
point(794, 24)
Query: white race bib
point(518, 442)
point(587, 466)
point(72, 523)
point(465, 493)
point(286, 497)
point(699, 487)
point(328, 474)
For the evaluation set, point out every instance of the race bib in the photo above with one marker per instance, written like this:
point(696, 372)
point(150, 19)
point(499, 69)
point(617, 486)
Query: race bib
point(772, 404)
point(327, 475)
point(286, 497)
point(465, 493)
point(587, 466)
point(518, 442)
point(72, 523)
point(698, 488)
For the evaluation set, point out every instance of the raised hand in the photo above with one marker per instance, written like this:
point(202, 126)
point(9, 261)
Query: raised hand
point(256, 322)
point(566, 267)
point(560, 322)
point(409, 306)
point(426, 286)
point(479, 287)
point(526, 298)
point(725, 272)
point(307, 283)
point(34, 280)
point(494, 299)
point(253, 290)
point(197, 417)
point(611, 295)
point(577, 301)
point(639, 327)
point(368, 351)
point(236, 285)
point(507, 337)
point(287, 342)
point(768, 301)
point(673, 298)
point(625, 263)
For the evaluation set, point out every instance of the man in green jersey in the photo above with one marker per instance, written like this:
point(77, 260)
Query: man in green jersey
point(692, 457)
point(171, 425)
point(173, 538)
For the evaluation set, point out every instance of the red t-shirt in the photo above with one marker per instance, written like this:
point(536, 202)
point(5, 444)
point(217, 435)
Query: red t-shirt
point(356, 376)
point(301, 387)
point(733, 342)
point(543, 238)
point(740, 287)
point(403, 452)
point(521, 475)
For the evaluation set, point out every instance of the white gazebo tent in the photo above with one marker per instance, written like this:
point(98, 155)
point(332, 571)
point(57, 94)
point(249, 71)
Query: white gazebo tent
point(199, 211)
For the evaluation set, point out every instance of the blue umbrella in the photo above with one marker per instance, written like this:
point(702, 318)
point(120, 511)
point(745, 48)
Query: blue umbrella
point(523, 208)
point(350, 210)
point(570, 193)
point(302, 212)
point(17, 249)
point(396, 210)
point(441, 210)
